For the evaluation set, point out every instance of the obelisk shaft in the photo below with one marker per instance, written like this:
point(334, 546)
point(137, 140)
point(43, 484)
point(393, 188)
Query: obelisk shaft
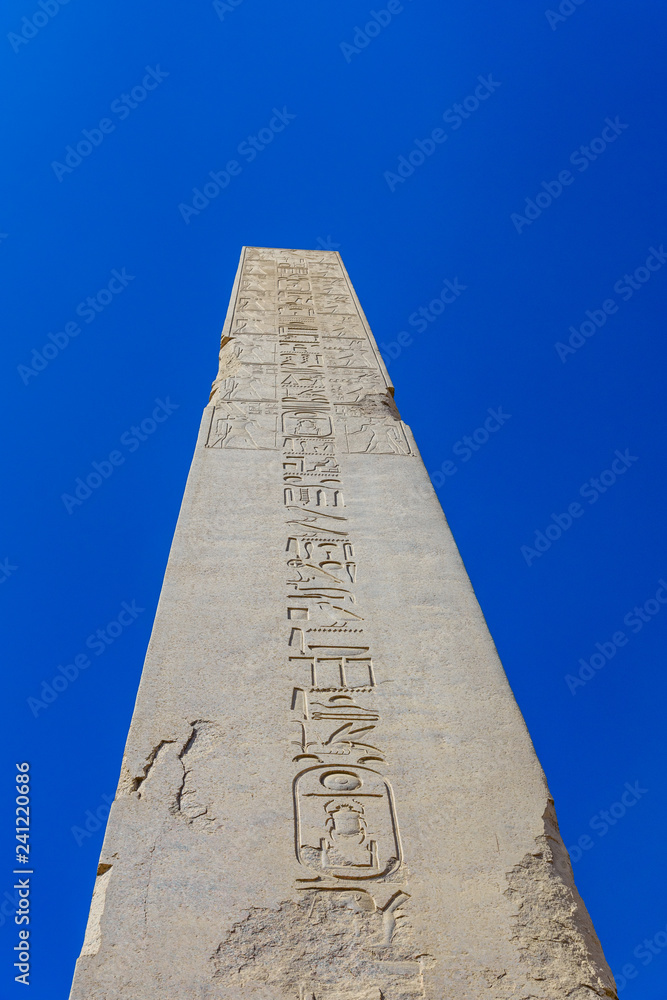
point(328, 790)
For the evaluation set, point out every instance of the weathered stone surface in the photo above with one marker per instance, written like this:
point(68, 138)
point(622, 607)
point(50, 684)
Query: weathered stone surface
point(328, 791)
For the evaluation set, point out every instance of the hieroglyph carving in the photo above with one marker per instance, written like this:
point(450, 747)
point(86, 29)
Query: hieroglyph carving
point(360, 836)
point(305, 378)
point(251, 426)
point(345, 821)
point(299, 373)
point(376, 432)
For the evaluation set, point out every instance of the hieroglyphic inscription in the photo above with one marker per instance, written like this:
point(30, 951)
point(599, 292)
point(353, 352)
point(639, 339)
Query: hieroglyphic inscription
point(346, 830)
point(296, 337)
point(372, 431)
point(244, 425)
point(299, 374)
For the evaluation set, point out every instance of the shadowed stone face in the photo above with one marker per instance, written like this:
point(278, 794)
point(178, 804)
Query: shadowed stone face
point(328, 792)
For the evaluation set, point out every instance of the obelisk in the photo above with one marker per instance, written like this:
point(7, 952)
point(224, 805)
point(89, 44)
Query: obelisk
point(328, 791)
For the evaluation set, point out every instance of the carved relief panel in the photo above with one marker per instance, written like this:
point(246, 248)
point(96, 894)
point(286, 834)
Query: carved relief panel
point(252, 426)
point(353, 387)
point(375, 433)
point(252, 382)
point(255, 349)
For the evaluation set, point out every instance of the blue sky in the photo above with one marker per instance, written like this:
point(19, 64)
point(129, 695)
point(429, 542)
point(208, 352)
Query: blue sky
point(540, 200)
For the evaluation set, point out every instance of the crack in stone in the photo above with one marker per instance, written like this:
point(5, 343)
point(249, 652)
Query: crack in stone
point(202, 740)
point(138, 780)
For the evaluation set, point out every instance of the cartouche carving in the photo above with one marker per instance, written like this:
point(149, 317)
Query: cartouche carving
point(345, 823)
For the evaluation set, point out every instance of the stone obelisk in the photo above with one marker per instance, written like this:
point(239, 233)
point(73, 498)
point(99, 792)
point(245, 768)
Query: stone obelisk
point(328, 791)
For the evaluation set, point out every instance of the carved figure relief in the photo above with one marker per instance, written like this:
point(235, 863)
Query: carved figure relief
point(256, 350)
point(250, 426)
point(374, 435)
point(250, 383)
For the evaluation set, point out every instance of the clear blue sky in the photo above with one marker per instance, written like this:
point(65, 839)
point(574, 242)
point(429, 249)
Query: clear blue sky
point(568, 117)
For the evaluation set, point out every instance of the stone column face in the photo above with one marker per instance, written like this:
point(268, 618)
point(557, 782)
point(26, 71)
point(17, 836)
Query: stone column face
point(328, 791)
